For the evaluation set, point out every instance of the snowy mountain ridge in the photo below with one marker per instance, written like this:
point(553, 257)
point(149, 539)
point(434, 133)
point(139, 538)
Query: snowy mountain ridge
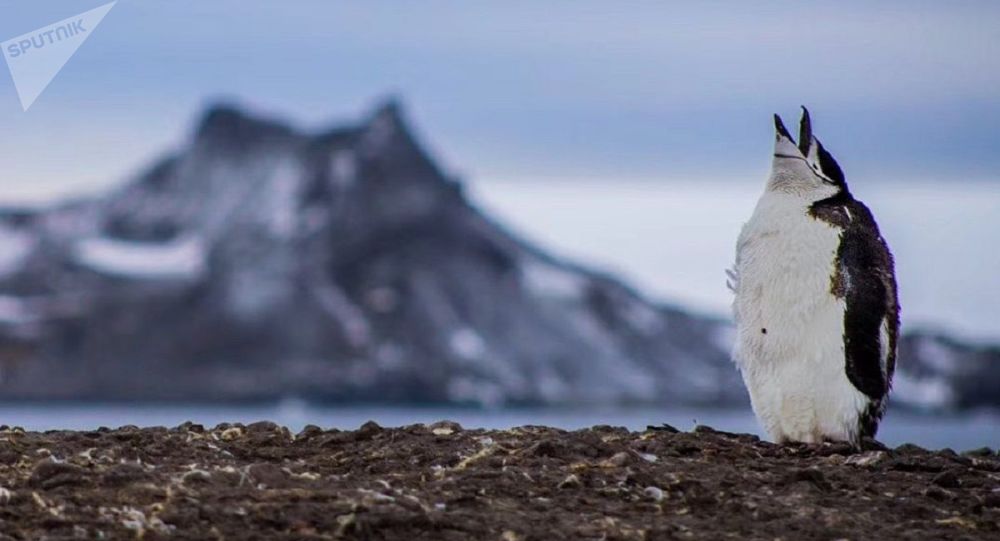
point(260, 262)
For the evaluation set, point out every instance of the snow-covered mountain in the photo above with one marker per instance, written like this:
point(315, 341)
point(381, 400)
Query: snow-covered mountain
point(261, 262)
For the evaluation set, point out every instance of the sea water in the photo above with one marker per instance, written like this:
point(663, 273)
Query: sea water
point(959, 432)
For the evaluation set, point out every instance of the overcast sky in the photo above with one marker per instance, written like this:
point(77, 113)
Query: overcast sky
point(530, 90)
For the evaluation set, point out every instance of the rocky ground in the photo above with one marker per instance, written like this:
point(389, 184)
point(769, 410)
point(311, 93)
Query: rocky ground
point(442, 482)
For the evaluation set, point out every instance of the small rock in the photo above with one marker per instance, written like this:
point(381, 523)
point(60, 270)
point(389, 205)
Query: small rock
point(929, 464)
point(687, 449)
point(835, 448)
point(653, 493)
point(832, 460)
point(869, 459)
point(571, 481)
point(196, 477)
point(9, 457)
point(992, 500)
point(946, 479)
point(648, 457)
point(265, 427)
point(445, 428)
point(309, 432)
point(663, 427)
point(231, 433)
point(812, 476)
point(123, 474)
point(188, 426)
point(910, 449)
point(334, 437)
point(367, 431)
point(608, 429)
point(960, 522)
point(269, 475)
point(617, 460)
point(48, 474)
point(545, 447)
point(935, 493)
point(981, 452)
point(871, 444)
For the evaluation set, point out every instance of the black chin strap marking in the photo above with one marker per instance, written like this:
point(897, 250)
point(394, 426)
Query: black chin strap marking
point(812, 167)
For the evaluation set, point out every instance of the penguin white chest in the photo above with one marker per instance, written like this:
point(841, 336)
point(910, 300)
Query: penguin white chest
point(790, 326)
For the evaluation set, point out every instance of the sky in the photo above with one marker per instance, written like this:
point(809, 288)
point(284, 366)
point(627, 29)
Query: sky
point(631, 136)
point(534, 91)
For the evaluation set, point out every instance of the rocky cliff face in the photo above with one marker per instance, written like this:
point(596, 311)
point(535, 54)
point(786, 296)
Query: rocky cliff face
point(261, 262)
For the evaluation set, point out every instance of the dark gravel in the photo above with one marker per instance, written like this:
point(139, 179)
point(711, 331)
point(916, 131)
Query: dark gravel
point(442, 482)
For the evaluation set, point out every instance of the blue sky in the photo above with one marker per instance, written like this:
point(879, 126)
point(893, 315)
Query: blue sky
point(649, 90)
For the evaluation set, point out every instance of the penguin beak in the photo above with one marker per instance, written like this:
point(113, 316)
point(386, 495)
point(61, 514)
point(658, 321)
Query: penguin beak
point(779, 128)
point(784, 146)
point(805, 133)
point(808, 144)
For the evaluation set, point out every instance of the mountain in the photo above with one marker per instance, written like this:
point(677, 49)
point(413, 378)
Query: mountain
point(260, 262)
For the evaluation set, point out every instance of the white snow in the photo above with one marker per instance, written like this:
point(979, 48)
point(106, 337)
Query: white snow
point(644, 317)
point(281, 198)
point(467, 343)
point(344, 168)
point(351, 318)
point(549, 280)
point(551, 385)
point(14, 247)
point(14, 310)
point(940, 357)
point(183, 258)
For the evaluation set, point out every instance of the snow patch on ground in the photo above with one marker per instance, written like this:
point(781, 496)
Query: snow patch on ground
point(183, 258)
point(466, 343)
point(14, 248)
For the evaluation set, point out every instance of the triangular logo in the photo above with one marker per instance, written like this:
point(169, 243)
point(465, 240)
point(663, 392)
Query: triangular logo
point(35, 58)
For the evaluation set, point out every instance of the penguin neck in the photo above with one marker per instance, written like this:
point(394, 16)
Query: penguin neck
point(807, 189)
point(794, 177)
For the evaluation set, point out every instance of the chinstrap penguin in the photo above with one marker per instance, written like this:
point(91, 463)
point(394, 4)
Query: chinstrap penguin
point(815, 306)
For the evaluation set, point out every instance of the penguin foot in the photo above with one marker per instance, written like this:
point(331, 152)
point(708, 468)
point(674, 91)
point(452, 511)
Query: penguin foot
point(871, 444)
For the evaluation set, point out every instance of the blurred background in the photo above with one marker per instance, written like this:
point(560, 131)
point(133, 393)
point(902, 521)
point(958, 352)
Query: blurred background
point(500, 213)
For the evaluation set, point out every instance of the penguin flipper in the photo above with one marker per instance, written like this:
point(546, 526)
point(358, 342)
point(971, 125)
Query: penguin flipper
point(732, 279)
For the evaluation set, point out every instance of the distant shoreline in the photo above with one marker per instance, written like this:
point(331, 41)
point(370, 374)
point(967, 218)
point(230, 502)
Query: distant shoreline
point(960, 431)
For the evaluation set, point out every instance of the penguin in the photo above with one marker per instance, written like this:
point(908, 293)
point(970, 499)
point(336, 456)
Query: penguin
point(815, 301)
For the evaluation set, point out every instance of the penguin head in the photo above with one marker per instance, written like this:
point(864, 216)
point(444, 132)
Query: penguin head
point(806, 169)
